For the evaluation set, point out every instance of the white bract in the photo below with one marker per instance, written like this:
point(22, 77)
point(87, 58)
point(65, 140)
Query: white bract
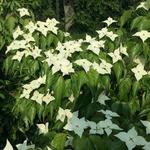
point(144, 35)
point(111, 35)
point(84, 63)
point(109, 21)
point(102, 98)
point(8, 146)
point(95, 46)
point(63, 113)
point(109, 114)
point(17, 32)
point(131, 138)
point(18, 56)
point(71, 98)
point(107, 125)
point(17, 44)
point(31, 27)
point(139, 71)
point(123, 50)
point(102, 32)
point(95, 128)
point(147, 125)
point(146, 146)
point(24, 146)
point(77, 125)
point(143, 5)
point(43, 128)
point(23, 12)
point(115, 55)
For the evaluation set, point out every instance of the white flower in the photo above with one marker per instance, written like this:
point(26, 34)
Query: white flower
point(109, 21)
point(109, 114)
point(35, 52)
point(103, 68)
point(108, 126)
point(84, 63)
point(24, 146)
point(102, 98)
point(42, 28)
point(23, 12)
point(139, 71)
point(131, 138)
point(102, 32)
point(95, 128)
point(95, 46)
point(8, 146)
point(71, 98)
point(89, 39)
point(28, 37)
point(143, 5)
point(147, 125)
point(17, 32)
point(37, 97)
point(115, 55)
point(31, 27)
point(123, 50)
point(48, 148)
point(144, 35)
point(146, 146)
point(63, 113)
point(18, 56)
point(16, 44)
point(111, 35)
point(77, 125)
point(48, 98)
point(43, 128)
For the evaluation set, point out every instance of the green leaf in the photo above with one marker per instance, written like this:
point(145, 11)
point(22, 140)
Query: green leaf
point(59, 141)
point(124, 89)
point(144, 24)
point(125, 17)
point(119, 70)
point(49, 39)
point(43, 42)
point(11, 23)
point(82, 143)
point(134, 49)
point(59, 90)
point(135, 23)
point(135, 88)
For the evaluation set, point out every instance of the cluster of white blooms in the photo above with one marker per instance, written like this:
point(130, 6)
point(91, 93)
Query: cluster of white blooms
point(59, 63)
point(39, 97)
point(35, 84)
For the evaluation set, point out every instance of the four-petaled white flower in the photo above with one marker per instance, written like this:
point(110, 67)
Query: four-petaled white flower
point(115, 55)
point(43, 128)
point(23, 12)
point(109, 21)
point(71, 98)
point(144, 35)
point(17, 32)
point(111, 35)
point(48, 98)
point(24, 146)
point(63, 113)
point(35, 52)
point(84, 63)
point(102, 32)
point(95, 128)
point(131, 138)
point(143, 5)
point(77, 125)
point(31, 27)
point(139, 71)
point(147, 125)
point(108, 126)
point(8, 146)
point(102, 98)
point(109, 114)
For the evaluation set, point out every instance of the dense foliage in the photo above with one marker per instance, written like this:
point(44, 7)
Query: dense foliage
point(60, 93)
